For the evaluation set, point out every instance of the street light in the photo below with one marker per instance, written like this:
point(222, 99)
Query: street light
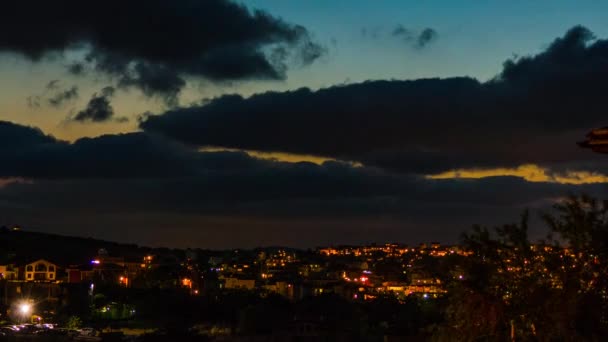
point(25, 308)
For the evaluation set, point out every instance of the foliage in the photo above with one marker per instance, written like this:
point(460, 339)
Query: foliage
point(516, 290)
point(74, 323)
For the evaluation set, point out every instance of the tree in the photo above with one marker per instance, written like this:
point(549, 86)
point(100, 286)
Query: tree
point(581, 224)
point(74, 323)
point(491, 302)
point(516, 290)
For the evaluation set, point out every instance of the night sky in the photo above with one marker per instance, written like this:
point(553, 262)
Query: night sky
point(221, 124)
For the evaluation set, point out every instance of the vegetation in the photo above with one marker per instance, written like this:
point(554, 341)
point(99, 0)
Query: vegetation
point(515, 290)
point(73, 323)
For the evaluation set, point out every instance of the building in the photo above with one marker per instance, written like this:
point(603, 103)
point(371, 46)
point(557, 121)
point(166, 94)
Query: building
point(41, 270)
point(394, 286)
point(424, 285)
point(79, 273)
point(9, 272)
point(236, 283)
point(282, 288)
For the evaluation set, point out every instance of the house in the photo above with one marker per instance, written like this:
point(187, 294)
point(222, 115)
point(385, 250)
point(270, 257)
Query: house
point(41, 270)
point(236, 283)
point(79, 273)
point(113, 268)
point(422, 284)
point(283, 288)
point(9, 272)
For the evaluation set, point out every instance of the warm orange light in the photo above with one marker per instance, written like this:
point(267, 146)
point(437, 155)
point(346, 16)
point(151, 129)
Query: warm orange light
point(280, 156)
point(529, 172)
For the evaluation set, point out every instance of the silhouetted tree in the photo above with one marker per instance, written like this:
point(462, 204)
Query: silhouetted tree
point(581, 225)
point(515, 290)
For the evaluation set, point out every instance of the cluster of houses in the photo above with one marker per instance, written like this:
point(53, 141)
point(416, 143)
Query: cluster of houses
point(102, 267)
point(363, 286)
point(350, 272)
point(347, 271)
point(39, 270)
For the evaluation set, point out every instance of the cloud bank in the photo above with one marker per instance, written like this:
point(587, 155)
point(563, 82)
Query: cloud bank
point(430, 157)
point(532, 112)
point(156, 45)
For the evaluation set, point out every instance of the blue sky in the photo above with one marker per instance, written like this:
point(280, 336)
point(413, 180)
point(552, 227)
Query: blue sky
point(475, 37)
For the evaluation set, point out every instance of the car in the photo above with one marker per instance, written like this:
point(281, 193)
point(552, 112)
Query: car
point(87, 332)
point(7, 331)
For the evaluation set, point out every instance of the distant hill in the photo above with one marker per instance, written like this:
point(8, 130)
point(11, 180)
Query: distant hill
point(22, 246)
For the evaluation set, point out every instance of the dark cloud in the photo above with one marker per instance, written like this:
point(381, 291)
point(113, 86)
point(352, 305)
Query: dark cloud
point(29, 153)
point(15, 137)
point(351, 122)
point(76, 68)
point(139, 180)
point(155, 45)
point(300, 191)
point(108, 91)
point(54, 95)
point(427, 36)
point(33, 101)
point(155, 80)
point(310, 52)
point(99, 108)
point(52, 85)
point(308, 205)
point(63, 96)
point(416, 39)
point(399, 30)
point(532, 112)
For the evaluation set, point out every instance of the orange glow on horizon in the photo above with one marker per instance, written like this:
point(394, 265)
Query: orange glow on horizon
point(529, 172)
point(281, 156)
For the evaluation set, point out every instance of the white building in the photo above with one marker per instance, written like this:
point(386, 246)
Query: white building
point(41, 270)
